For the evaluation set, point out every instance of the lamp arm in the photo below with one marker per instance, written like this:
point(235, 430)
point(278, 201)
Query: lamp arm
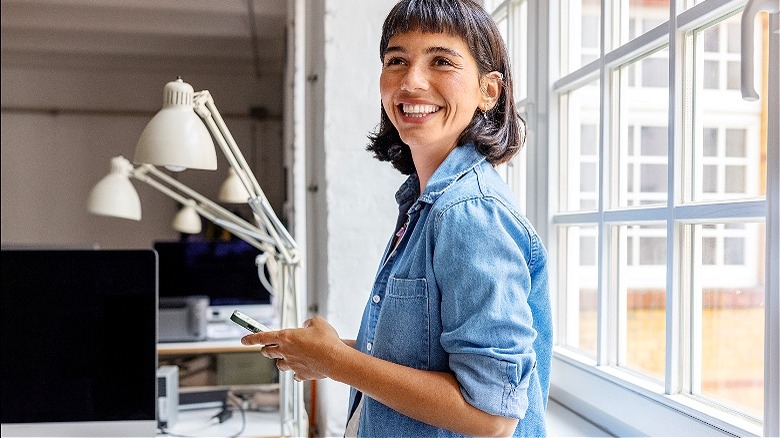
point(206, 108)
point(205, 207)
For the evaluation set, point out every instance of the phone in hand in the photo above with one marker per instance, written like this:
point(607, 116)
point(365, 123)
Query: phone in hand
point(248, 323)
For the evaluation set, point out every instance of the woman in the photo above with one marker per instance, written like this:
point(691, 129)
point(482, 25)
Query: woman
point(456, 336)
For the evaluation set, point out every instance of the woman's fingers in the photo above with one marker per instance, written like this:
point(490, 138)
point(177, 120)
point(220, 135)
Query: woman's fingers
point(282, 365)
point(300, 350)
point(271, 352)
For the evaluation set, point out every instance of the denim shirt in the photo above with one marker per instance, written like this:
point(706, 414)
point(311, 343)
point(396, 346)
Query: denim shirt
point(465, 291)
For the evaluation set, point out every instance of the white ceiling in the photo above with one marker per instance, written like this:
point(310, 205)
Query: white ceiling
point(145, 33)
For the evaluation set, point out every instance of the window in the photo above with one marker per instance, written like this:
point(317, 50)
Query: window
point(659, 193)
point(513, 24)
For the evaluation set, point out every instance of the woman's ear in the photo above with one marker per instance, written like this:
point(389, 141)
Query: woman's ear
point(491, 86)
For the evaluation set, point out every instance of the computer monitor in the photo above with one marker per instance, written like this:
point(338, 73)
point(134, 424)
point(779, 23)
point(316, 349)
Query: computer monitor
point(79, 342)
point(225, 271)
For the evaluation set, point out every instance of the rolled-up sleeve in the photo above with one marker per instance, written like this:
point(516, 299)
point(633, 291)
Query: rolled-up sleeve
point(481, 268)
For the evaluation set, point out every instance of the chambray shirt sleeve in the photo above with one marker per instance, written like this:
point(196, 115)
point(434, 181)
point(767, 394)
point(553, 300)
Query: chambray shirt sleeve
point(481, 268)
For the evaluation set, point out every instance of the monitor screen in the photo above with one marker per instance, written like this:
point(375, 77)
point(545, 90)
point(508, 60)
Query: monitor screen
point(79, 342)
point(224, 271)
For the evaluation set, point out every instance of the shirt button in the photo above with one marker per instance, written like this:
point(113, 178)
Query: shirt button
point(368, 346)
point(375, 298)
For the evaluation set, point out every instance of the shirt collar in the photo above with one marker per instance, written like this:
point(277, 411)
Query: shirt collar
point(461, 160)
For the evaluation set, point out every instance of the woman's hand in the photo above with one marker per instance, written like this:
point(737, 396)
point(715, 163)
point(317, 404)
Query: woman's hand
point(309, 352)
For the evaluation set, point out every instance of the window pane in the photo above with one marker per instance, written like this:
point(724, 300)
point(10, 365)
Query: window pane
point(729, 285)
point(711, 75)
point(515, 49)
point(578, 279)
point(589, 139)
point(709, 251)
point(710, 142)
point(588, 251)
point(643, 121)
point(580, 33)
point(640, 16)
point(734, 250)
point(733, 44)
point(718, 47)
point(733, 75)
point(652, 251)
point(710, 177)
point(735, 179)
point(579, 149)
point(641, 267)
point(491, 5)
point(653, 179)
point(735, 143)
point(518, 48)
point(589, 37)
point(655, 73)
point(711, 40)
point(589, 177)
point(729, 155)
point(654, 140)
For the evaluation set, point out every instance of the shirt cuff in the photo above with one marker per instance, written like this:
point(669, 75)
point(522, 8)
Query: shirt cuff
point(495, 386)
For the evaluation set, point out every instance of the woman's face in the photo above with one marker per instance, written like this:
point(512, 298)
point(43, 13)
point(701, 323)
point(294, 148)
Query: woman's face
point(430, 88)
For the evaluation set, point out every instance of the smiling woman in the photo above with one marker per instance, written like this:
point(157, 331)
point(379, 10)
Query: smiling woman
point(431, 86)
point(456, 336)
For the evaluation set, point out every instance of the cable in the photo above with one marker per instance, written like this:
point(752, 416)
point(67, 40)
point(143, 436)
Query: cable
point(225, 414)
point(261, 261)
point(222, 416)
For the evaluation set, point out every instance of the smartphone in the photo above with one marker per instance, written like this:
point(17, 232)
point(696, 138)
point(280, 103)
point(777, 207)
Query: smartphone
point(248, 323)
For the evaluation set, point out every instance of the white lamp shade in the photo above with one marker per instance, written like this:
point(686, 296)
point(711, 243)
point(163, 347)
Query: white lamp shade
point(114, 195)
point(176, 137)
point(187, 221)
point(232, 190)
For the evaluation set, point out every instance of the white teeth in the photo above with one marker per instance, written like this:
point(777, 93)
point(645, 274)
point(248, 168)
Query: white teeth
point(418, 110)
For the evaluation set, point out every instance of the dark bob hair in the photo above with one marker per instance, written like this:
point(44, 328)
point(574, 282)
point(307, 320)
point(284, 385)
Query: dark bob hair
point(498, 135)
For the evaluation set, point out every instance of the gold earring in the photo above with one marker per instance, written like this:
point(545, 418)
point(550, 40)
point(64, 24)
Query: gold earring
point(484, 112)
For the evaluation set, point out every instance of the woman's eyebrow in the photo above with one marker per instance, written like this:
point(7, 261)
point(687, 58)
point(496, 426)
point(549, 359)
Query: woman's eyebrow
point(429, 50)
point(445, 50)
point(393, 49)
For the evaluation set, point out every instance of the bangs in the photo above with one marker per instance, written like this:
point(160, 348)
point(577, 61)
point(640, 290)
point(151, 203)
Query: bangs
point(428, 16)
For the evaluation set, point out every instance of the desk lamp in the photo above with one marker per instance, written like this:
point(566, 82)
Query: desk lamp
point(178, 137)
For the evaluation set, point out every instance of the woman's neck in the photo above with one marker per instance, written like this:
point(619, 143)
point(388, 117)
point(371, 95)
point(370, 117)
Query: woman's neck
point(426, 162)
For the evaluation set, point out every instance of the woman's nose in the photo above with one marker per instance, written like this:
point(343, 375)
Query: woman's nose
point(414, 79)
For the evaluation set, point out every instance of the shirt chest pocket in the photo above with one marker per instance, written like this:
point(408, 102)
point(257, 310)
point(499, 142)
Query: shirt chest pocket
point(403, 326)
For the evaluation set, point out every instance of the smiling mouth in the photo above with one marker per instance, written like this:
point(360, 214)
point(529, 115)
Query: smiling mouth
point(418, 110)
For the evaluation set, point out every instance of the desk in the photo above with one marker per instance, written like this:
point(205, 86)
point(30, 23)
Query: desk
point(197, 422)
point(205, 347)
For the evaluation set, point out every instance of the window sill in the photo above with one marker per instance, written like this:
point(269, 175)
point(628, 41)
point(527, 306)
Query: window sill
point(623, 409)
point(562, 422)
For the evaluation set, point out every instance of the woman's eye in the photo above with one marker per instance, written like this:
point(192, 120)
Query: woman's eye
point(393, 61)
point(443, 62)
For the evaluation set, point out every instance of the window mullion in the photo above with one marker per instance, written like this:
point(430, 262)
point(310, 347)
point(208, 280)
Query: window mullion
point(675, 319)
point(605, 331)
point(772, 294)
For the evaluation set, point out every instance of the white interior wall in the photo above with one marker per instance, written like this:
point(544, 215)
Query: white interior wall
point(355, 191)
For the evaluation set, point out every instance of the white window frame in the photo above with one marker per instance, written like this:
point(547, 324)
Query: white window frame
point(612, 398)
